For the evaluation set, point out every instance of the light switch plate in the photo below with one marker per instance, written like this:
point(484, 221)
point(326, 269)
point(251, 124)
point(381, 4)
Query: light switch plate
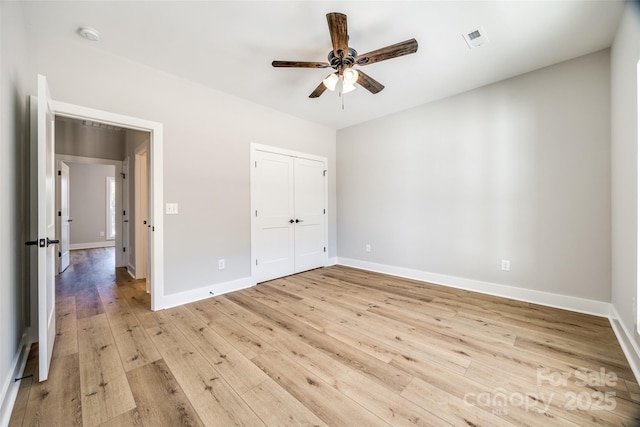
point(171, 208)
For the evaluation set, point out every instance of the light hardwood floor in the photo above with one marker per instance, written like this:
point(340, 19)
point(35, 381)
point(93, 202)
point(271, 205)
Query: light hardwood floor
point(334, 346)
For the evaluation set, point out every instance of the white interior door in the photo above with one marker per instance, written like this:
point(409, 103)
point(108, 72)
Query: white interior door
point(45, 163)
point(289, 222)
point(65, 220)
point(273, 215)
point(310, 245)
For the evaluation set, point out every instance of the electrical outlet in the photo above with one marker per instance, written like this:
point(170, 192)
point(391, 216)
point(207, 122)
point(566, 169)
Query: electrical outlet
point(221, 264)
point(367, 247)
point(506, 265)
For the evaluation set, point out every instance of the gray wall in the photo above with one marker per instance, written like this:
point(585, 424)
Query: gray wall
point(88, 207)
point(76, 139)
point(206, 153)
point(516, 170)
point(625, 54)
point(16, 83)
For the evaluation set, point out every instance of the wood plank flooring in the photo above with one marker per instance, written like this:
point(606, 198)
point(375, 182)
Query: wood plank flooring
point(330, 347)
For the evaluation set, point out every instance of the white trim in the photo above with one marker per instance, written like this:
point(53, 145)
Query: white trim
point(92, 245)
point(156, 184)
point(9, 386)
point(628, 344)
point(332, 261)
point(205, 292)
point(565, 302)
point(87, 160)
point(131, 270)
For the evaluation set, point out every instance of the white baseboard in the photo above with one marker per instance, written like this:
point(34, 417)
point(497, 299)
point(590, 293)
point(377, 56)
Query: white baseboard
point(174, 300)
point(92, 245)
point(627, 342)
point(565, 302)
point(131, 270)
point(9, 385)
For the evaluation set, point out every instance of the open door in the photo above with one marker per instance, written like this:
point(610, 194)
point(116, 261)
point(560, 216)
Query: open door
point(42, 142)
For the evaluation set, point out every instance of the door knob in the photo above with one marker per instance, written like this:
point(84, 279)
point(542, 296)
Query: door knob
point(31, 243)
point(52, 242)
point(69, 220)
point(291, 221)
point(298, 220)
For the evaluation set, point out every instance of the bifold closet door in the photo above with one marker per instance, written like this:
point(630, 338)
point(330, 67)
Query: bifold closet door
point(289, 209)
point(273, 195)
point(309, 211)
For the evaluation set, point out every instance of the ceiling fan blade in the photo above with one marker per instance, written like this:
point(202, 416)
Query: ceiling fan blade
point(338, 31)
point(300, 64)
point(369, 83)
point(389, 52)
point(318, 91)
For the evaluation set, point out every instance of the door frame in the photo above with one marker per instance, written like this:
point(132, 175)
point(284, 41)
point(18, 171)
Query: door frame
point(58, 199)
point(117, 164)
point(254, 149)
point(156, 248)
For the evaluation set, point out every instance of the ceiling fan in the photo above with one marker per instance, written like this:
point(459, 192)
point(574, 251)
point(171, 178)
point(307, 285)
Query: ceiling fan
point(342, 59)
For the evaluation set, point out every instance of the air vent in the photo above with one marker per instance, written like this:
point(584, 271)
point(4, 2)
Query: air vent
point(98, 125)
point(475, 37)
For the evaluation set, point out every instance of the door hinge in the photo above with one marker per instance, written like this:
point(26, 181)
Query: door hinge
point(59, 173)
point(124, 249)
point(59, 213)
point(256, 261)
point(255, 165)
point(324, 211)
point(153, 228)
point(324, 172)
point(123, 175)
point(325, 249)
point(59, 254)
point(124, 213)
point(256, 212)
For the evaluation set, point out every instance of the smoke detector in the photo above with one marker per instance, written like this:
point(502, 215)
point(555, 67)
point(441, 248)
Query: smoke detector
point(475, 37)
point(89, 33)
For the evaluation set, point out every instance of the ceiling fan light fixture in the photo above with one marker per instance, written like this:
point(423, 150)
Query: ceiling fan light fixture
point(346, 87)
point(331, 81)
point(350, 77)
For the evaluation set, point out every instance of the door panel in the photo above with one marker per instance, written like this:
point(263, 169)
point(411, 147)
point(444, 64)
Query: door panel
point(309, 211)
point(45, 163)
point(273, 179)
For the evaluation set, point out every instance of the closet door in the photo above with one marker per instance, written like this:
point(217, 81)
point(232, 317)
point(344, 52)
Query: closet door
point(273, 199)
point(309, 210)
point(288, 229)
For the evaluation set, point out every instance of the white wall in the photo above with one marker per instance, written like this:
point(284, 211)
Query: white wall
point(88, 204)
point(206, 153)
point(625, 54)
point(517, 170)
point(14, 88)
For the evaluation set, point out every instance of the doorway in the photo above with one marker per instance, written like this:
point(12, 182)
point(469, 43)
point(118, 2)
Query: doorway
point(154, 186)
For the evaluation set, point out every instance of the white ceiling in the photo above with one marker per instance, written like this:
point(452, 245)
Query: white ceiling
point(229, 45)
